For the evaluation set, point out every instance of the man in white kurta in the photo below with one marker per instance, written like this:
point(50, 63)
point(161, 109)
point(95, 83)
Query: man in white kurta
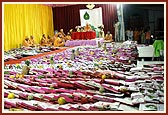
point(117, 30)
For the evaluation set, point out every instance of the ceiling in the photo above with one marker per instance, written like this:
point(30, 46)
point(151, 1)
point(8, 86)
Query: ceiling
point(144, 6)
point(59, 5)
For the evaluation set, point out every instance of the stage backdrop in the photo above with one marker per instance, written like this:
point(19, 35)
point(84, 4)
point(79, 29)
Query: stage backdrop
point(69, 17)
point(93, 17)
point(22, 20)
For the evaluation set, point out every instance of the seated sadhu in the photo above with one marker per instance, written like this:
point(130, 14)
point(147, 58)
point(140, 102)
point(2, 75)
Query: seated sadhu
point(68, 36)
point(50, 40)
point(26, 42)
point(32, 40)
point(62, 32)
point(44, 41)
point(59, 41)
point(55, 36)
point(87, 27)
point(108, 37)
point(70, 31)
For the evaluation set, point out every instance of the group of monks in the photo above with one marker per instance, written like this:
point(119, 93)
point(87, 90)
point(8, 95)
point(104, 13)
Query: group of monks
point(108, 37)
point(59, 38)
point(84, 28)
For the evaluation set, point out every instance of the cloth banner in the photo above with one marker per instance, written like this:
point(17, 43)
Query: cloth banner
point(121, 22)
point(93, 17)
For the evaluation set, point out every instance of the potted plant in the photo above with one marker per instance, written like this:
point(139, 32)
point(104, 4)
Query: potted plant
point(26, 68)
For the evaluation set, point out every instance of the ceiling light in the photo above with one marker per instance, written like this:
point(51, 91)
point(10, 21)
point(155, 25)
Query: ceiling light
point(90, 6)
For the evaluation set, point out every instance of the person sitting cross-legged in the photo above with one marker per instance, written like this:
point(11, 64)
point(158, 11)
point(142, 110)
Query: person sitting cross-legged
point(87, 27)
point(26, 42)
point(32, 41)
point(108, 37)
point(59, 41)
point(68, 36)
point(44, 41)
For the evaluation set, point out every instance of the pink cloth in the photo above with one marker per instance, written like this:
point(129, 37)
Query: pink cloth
point(92, 42)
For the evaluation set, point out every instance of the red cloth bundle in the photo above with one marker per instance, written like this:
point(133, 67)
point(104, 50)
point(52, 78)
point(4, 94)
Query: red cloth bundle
point(110, 89)
point(102, 98)
point(9, 104)
point(65, 85)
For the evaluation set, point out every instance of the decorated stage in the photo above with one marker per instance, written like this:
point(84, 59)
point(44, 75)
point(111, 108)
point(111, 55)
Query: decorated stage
point(92, 42)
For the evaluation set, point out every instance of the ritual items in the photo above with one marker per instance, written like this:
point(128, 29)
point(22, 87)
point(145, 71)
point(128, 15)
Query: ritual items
point(85, 79)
